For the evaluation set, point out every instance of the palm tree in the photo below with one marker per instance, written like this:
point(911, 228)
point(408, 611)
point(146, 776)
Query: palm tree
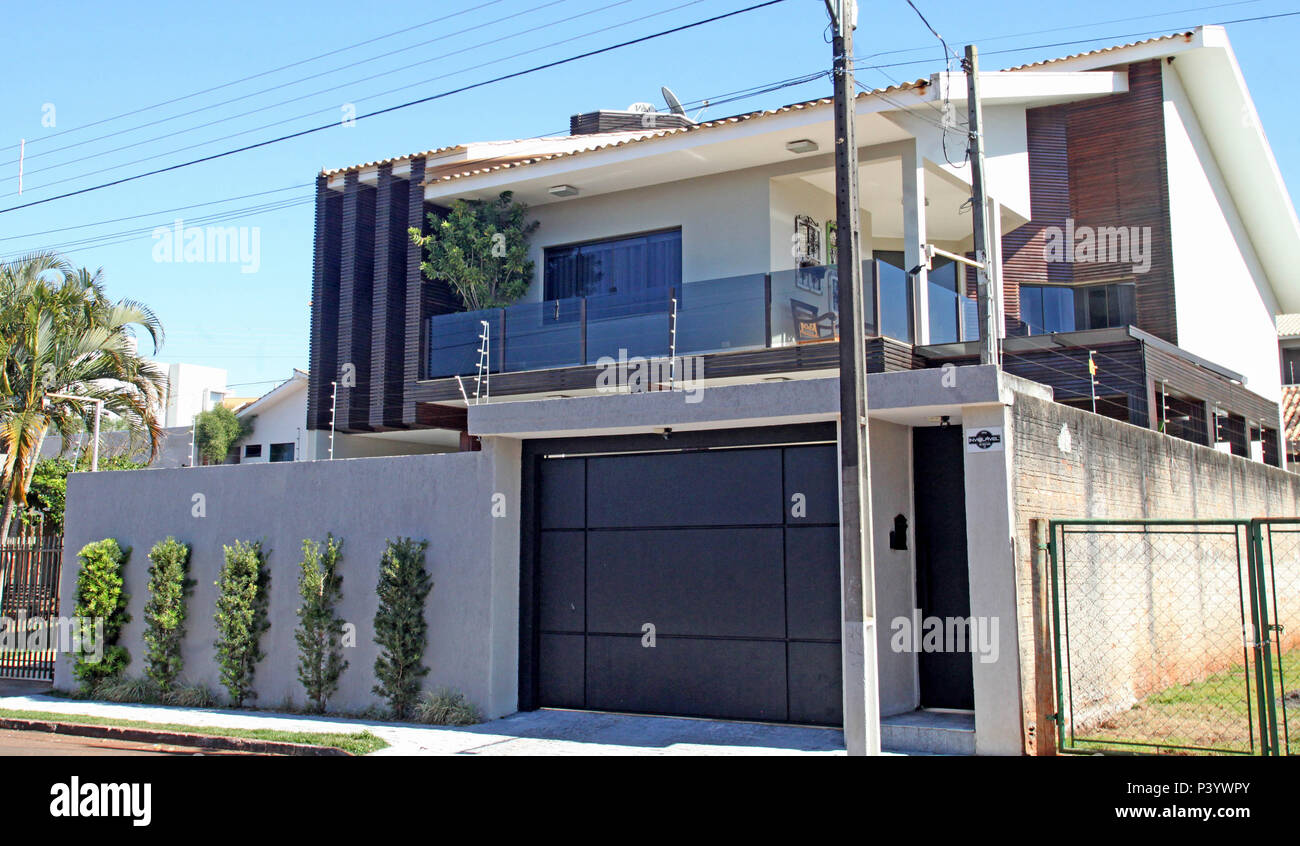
point(61, 334)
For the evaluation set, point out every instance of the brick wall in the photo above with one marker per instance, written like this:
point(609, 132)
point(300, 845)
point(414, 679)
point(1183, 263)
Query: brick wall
point(1168, 609)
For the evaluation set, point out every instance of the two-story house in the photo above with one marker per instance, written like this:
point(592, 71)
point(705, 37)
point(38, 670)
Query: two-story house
point(1146, 242)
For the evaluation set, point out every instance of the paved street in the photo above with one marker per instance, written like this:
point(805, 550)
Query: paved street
point(43, 744)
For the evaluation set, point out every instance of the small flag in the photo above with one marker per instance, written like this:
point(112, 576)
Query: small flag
point(1092, 365)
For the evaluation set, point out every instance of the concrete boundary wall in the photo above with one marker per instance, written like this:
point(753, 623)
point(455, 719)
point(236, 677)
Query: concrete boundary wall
point(446, 499)
point(1071, 464)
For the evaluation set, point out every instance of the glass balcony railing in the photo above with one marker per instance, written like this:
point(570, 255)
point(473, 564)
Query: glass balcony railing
point(757, 311)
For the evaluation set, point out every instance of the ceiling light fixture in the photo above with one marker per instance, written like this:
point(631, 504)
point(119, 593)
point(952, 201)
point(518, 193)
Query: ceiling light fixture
point(803, 145)
point(563, 191)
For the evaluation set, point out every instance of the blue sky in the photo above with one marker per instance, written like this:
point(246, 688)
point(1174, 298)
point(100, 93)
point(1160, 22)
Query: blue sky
point(105, 60)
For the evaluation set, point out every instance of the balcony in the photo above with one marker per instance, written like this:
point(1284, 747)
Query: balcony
point(753, 312)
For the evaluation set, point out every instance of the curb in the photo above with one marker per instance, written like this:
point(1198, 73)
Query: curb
point(176, 738)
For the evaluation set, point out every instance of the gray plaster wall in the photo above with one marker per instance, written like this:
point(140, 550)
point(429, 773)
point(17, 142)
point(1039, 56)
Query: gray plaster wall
point(446, 499)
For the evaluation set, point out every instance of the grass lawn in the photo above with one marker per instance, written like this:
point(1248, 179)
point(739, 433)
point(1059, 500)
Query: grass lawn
point(1216, 714)
point(359, 743)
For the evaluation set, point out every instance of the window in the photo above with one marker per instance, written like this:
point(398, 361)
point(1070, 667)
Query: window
point(282, 452)
point(253, 451)
point(1046, 309)
point(1291, 366)
point(615, 266)
point(1059, 308)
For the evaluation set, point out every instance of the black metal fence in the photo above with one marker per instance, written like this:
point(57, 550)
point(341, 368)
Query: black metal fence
point(29, 604)
point(1171, 638)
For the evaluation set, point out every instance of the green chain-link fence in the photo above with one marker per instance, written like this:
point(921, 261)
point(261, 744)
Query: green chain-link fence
point(1171, 637)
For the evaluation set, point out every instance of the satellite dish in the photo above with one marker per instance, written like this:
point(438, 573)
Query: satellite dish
point(674, 105)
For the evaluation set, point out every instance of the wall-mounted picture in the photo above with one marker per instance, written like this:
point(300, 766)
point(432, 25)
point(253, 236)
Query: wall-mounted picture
point(808, 241)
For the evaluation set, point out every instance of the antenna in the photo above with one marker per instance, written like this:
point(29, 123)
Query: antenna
point(674, 105)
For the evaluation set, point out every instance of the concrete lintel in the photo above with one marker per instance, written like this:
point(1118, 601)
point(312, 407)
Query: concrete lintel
point(936, 390)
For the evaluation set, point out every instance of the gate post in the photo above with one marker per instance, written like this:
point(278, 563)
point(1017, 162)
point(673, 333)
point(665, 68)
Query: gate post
point(1269, 740)
point(1045, 717)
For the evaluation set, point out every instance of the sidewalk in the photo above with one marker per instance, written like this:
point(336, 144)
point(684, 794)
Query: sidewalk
point(526, 733)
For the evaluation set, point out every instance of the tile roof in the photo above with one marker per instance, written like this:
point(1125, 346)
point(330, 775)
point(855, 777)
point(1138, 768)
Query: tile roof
point(472, 167)
point(1291, 414)
point(1288, 325)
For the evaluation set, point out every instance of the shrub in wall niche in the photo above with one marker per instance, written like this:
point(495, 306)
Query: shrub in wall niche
point(242, 593)
point(164, 613)
point(101, 608)
point(320, 629)
point(400, 629)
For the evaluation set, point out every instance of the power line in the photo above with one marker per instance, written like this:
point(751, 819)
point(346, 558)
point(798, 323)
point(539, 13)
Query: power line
point(124, 236)
point(327, 54)
point(333, 89)
point(408, 104)
point(157, 211)
point(1144, 33)
point(1089, 25)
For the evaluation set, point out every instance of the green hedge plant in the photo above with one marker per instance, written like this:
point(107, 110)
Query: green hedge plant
point(320, 629)
point(164, 613)
point(101, 609)
point(242, 595)
point(400, 628)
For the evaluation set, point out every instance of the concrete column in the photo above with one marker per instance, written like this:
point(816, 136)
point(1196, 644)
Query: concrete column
point(995, 265)
point(502, 499)
point(992, 561)
point(914, 236)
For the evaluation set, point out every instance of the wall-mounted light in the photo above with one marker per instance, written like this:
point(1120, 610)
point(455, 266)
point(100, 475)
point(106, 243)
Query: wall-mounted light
point(803, 145)
point(563, 191)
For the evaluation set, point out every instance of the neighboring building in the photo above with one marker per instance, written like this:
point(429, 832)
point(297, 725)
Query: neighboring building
point(278, 419)
point(191, 389)
point(592, 519)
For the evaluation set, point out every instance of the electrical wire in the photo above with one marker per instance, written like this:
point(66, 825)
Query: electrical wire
point(399, 106)
point(136, 111)
point(329, 90)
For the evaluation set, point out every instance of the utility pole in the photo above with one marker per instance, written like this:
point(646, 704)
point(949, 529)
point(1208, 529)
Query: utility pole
point(857, 568)
point(987, 295)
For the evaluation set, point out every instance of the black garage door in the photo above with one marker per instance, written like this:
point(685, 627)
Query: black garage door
point(700, 583)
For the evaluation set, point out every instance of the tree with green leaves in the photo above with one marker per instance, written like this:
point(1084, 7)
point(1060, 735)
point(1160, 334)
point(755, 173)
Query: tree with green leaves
point(61, 336)
point(101, 612)
point(216, 431)
point(164, 613)
point(242, 599)
point(400, 628)
point(320, 629)
point(480, 249)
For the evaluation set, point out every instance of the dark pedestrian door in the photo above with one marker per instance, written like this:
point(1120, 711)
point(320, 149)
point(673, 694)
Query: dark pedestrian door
point(942, 577)
point(701, 583)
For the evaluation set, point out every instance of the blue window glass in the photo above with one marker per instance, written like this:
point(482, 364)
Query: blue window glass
point(614, 266)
